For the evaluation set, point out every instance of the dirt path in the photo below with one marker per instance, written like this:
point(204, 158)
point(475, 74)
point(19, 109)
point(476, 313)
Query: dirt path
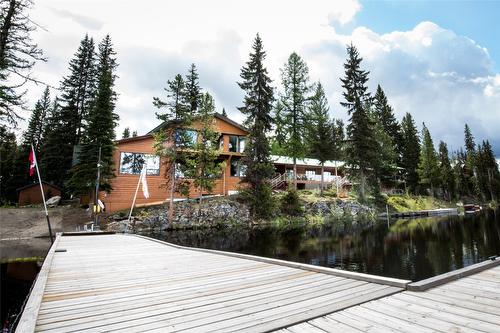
point(24, 231)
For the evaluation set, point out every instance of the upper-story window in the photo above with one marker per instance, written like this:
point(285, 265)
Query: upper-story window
point(132, 163)
point(237, 143)
point(185, 137)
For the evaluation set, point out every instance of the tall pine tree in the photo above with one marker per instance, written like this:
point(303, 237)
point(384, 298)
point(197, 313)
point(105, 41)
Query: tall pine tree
point(192, 92)
point(292, 109)
point(319, 133)
point(100, 132)
point(202, 166)
point(410, 152)
point(428, 168)
point(470, 168)
point(38, 121)
point(177, 105)
point(446, 172)
point(385, 115)
point(18, 55)
point(78, 89)
point(257, 107)
point(360, 129)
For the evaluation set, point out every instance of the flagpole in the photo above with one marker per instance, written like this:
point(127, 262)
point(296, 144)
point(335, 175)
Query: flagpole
point(135, 196)
point(43, 194)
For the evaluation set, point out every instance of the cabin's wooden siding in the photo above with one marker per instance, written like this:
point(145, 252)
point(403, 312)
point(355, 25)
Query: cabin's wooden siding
point(124, 185)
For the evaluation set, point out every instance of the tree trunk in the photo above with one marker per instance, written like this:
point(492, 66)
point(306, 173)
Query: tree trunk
point(362, 186)
point(336, 180)
point(4, 33)
point(322, 179)
point(295, 173)
point(172, 190)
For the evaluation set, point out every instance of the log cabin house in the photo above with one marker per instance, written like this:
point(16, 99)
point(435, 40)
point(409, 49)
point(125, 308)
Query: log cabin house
point(131, 153)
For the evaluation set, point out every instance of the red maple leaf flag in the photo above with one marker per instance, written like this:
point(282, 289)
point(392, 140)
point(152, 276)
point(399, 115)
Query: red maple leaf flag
point(32, 162)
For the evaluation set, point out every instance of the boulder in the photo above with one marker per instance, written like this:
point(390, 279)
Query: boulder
point(53, 202)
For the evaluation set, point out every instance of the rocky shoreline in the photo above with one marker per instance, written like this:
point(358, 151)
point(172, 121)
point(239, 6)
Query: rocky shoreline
point(224, 212)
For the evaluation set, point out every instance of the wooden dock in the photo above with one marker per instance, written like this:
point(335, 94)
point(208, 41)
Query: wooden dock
point(113, 282)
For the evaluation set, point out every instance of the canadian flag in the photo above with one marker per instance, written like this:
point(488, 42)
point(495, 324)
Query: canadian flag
point(32, 162)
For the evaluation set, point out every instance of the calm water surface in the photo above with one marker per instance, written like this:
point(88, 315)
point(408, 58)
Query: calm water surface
point(409, 249)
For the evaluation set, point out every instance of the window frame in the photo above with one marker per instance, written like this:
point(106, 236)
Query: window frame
point(146, 155)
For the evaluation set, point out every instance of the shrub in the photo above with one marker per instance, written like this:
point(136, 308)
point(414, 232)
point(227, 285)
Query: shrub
point(290, 203)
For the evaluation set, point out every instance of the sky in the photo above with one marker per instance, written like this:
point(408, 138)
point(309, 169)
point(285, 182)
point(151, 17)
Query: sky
point(440, 61)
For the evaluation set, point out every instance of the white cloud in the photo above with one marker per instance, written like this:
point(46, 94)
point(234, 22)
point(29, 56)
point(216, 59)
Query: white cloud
point(440, 77)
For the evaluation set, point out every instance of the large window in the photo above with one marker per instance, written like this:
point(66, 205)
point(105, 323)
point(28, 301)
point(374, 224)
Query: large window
point(238, 169)
point(185, 137)
point(132, 163)
point(237, 143)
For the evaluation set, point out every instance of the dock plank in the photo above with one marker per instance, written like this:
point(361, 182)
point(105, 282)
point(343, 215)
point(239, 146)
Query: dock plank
point(127, 283)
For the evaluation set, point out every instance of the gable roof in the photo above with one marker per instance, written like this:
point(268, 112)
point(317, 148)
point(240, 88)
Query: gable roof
point(36, 184)
point(216, 115)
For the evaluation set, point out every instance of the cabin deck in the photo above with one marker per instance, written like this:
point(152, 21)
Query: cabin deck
point(111, 282)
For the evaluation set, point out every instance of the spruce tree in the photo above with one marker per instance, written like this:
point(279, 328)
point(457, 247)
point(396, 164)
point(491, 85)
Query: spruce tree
point(18, 55)
point(384, 164)
point(428, 168)
point(78, 89)
point(446, 172)
point(202, 165)
point(410, 152)
point(385, 115)
point(8, 148)
point(126, 133)
point(470, 167)
point(319, 133)
point(38, 121)
point(176, 105)
point(100, 132)
point(257, 107)
point(224, 113)
point(488, 174)
point(167, 141)
point(192, 90)
point(291, 112)
point(360, 129)
point(57, 149)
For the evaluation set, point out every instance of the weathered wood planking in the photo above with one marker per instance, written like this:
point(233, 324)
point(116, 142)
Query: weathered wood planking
point(469, 304)
point(133, 284)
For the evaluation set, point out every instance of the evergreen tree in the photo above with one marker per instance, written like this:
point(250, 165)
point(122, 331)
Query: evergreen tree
point(176, 104)
point(410, 152)
point(193, 91)
point(384, 164)
point(57, 148)
point(469, 170)
point(18, 55)
point(78, 89)
point(257, 106)
point(100, 133)
point(8, 147)
point(446, 173)
point(38, 121)
point(488, 172)
point(360, 129)
point(126, 133)
point(168, 140)
point(291, 112)
point(224, 112)
point(202, 166)
point(319, 133)
point(385, 115)
point(428, 168)
point(338, 146)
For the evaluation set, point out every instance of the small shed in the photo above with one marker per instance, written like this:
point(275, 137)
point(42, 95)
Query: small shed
point(30, 194)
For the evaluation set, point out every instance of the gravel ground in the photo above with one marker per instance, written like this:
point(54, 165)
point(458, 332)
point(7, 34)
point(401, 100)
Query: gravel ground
point(24, 231)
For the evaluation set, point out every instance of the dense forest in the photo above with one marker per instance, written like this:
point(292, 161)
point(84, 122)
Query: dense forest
point(69, 124)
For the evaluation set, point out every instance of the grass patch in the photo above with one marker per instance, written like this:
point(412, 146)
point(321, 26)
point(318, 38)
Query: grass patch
point(407, 203)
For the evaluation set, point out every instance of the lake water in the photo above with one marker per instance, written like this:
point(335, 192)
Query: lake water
point(412, 249)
